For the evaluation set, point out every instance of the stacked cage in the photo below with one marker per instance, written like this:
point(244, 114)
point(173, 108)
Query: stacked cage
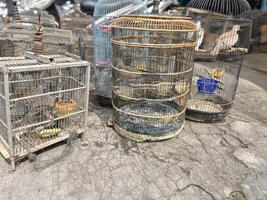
point(151, 75)
point(43, 100)
point(221, 47)
point(72, 18)
point(105, 11)
point(32, 17)
point(18, 38)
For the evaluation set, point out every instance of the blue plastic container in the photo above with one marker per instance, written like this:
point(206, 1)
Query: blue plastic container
point(206, 85)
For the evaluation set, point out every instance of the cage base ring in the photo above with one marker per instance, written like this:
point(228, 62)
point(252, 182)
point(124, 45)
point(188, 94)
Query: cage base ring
point(145, 138)
point(204, 111)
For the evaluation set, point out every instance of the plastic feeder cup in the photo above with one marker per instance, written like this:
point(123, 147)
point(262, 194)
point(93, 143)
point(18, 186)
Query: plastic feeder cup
point(206, 85)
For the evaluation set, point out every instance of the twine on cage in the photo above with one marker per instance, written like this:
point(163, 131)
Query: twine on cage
point(43, 164)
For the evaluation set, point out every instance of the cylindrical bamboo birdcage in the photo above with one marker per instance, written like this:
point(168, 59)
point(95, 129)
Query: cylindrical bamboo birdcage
point(151, 75)
point(221, 47)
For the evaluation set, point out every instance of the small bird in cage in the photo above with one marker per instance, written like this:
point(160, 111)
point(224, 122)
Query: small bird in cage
point(227, 40)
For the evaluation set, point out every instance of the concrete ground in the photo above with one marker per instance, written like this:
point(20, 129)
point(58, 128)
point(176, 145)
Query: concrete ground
point(220, 158)
point(255, 69)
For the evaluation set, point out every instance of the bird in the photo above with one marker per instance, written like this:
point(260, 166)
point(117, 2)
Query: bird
point(226, 40)
point(200, 35)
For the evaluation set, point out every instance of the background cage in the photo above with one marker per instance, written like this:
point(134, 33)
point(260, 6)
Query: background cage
point(221, 47)
point(42, 100)
point(32, 17)
point(196, 13)
point(18, 38)
point(102, 44)
point(226, 7)
point(259, 30)
point(151, 75)
point(72, 18)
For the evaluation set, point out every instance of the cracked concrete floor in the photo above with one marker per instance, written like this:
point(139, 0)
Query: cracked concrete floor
point(222, 158)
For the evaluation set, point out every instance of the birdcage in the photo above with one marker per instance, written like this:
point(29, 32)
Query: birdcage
point(43, 99)
point(86, 45)
point(19, 38)
point(72, 18)
point(32, 17)
point(226, 7)
point(259, 31)
point(221, 47)
point(105, 11)
point(199, 14)
point(151, 75)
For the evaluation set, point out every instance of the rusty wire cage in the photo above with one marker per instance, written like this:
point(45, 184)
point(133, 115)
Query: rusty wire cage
point(43, 99)
point(152, 68)
point(221, 47)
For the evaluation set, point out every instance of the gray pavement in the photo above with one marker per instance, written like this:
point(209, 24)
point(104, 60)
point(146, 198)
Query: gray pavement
point(221, 158)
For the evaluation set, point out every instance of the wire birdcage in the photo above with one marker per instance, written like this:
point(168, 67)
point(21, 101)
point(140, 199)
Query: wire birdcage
point(102, 43)
point(259, 31)
point(221, 47)
point(42, 100)
point(226, 7)
point(151, 75)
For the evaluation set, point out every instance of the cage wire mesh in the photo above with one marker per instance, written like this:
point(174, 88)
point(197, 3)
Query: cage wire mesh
point(226, 7)
point(152, 68)
point(104, 11)
point(42, 100)
point(221, 47)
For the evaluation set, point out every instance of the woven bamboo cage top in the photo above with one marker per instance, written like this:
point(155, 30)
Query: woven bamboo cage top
point(134, 27)
point(155, 23)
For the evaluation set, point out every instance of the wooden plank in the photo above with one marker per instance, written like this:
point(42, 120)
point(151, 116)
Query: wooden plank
point(263, 34)
point(4, 152)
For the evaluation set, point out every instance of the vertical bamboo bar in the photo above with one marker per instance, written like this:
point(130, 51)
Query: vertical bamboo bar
point(8, 118)
point(86, 99)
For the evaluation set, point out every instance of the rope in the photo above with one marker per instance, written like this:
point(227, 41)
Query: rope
point(41, 165)
point(197, 186)
point(235, 195)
